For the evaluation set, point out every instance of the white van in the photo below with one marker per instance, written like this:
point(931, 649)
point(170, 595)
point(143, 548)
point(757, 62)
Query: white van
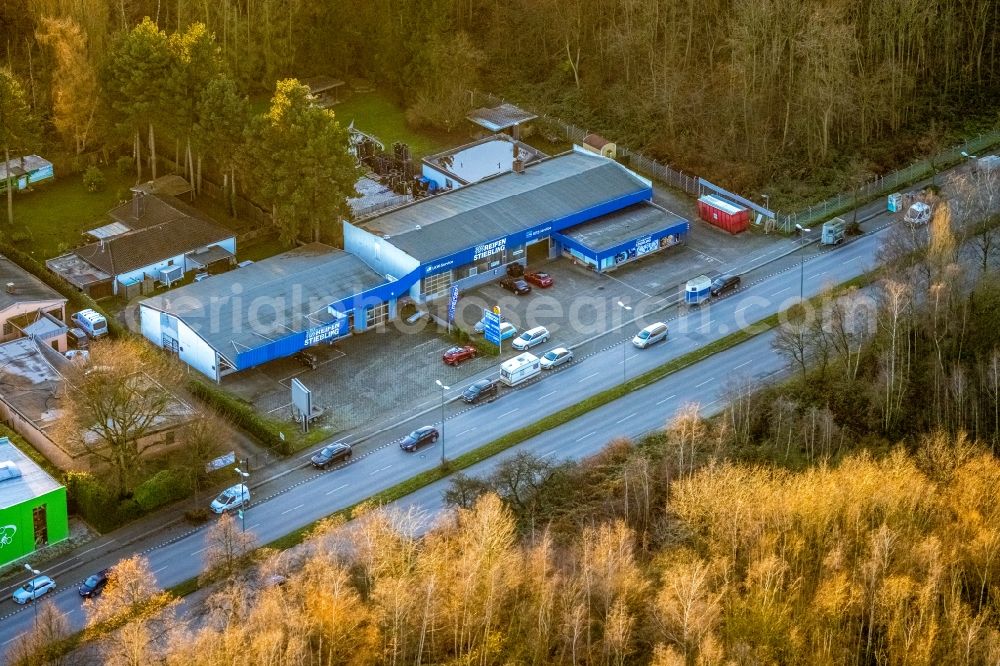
point(519, 369)
point(234, 497)
point(650, 335)
point(919, 213)
point(529, 339)
point(92, 323)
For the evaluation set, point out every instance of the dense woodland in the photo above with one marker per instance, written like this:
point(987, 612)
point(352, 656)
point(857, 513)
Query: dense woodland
point(747, 91)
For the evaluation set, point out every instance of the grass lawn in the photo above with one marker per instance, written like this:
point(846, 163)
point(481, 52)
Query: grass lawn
point(54, 216)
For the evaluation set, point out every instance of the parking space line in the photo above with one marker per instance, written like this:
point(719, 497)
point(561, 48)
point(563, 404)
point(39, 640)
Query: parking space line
point(330, 492)
point(626, 418)
point(287, 404)
point(587, 377)
point(704, 382)
point(425, 343)
point(669, 397)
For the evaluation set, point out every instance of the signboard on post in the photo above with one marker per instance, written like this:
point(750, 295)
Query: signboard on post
point(452, 302)
point(221, 461)
point(491, 325)
point(302, 402)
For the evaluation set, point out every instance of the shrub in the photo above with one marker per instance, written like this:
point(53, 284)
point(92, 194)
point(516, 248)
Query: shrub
point(242, 415)
point(92, 500)
point(93, 179)
point(125, 165)
point(20, 237)
point(162, 488)
point(197, 516)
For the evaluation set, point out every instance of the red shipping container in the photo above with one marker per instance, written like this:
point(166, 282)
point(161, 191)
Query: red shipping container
point(723, 214)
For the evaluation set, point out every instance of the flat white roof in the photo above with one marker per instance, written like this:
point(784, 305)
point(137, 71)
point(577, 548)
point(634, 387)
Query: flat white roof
point(721, 204)
point(33, 482)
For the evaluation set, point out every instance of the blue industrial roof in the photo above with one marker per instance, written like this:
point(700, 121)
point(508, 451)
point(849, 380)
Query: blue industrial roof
point(628, 224)
point(552, 189)
point(248, 307)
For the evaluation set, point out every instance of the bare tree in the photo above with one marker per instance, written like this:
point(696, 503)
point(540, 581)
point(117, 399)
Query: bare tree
point(36, 646)
point(229, 548)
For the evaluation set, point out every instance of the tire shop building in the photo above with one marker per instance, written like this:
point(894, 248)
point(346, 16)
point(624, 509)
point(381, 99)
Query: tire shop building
point(468, 236)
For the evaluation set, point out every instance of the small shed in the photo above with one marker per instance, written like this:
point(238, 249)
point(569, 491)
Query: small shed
point(323, 90)
point(723, 214)
point(596, 143)
point(25, 171)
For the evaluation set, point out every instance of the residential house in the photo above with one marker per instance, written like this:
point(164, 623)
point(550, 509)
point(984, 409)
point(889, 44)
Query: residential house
point(26, 301)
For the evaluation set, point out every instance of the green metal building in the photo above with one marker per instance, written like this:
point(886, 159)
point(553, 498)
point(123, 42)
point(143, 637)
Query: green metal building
point(33, 510)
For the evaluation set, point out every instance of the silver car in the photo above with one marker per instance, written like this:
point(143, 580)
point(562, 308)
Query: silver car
point(33, 589)
point(555, 358)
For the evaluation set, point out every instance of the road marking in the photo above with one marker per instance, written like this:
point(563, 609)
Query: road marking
point(508, 413)
point(629, 358)
point(423, 344)
point(781, 292)
point(579, 381)
point(465, 431)
point(380, 470)
point(330, 492)
point(547, 395)
point(743, 364)
point(854, 259)
point(546, 455)
point(705, 325)
point(626, 418)
point(439, 351)
point(294, 508)
point(669, 397)
point(250, 527)
point(746, 306)
point(156, 571)
point(13, 639)
point(704, 382)
point(710, 403)
point(201, 551)
point(817, 275)
point(76, 555)
point(589, 434)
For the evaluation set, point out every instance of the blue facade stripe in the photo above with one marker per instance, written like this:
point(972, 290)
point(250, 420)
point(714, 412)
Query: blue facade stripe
point(677, 229)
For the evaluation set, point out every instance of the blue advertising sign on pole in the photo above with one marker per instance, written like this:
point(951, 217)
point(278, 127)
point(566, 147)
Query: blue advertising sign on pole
point(491, 325)
point(452, 302)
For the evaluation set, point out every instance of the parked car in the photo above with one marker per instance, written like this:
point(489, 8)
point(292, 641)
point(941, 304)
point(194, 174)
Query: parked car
point(203, 275)
point(330, 454)
point(530, 338)
point(33, 589)
point(307, 358)
point(507, 330)
point(724, 283)
point(650, 335)
point(91, 322)
point(419, 437)
point(456, 355)
point(77, 338)
point(484, 388)
point(543, 280)
point(555, 358)
point(515, 285)
point(233, 497)
point(94, 585)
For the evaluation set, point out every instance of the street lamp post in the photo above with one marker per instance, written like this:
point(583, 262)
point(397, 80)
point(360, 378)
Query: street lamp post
point(802, 262)
point(34, 602)
point(443, 389)
point(626, 308)
point(243, 481)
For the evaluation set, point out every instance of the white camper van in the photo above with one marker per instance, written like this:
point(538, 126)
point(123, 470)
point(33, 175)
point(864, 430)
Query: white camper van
point(92, 323)
point(519, 369)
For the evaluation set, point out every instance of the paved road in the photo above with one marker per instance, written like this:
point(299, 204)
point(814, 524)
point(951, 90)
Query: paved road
point(467, 427)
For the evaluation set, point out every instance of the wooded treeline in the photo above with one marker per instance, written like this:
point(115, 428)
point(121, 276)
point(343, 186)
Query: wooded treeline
point(745, 88)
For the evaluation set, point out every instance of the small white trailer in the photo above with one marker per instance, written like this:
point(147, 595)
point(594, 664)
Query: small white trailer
point(519, 369)
point(834, 231)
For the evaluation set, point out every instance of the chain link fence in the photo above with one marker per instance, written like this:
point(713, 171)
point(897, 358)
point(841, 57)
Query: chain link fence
point(554, 129)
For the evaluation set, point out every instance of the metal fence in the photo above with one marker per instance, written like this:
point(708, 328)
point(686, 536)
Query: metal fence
point(555, 129)
point(888, 183)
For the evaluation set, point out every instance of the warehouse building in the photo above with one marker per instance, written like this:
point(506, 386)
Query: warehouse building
point(467, 237)
point(267, 310)
point(33, 512)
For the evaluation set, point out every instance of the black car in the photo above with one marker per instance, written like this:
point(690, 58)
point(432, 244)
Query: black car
point(724, 283)
point(515, 285)
point(419, 437)
point(330, 454)
point(94, 585)
point(484, 388)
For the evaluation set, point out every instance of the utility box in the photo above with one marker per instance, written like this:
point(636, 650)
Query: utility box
point(834, 232)
point(698, 290)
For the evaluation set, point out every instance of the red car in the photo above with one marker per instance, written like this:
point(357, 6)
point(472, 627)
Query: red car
point(542, 280)
point(456, 355)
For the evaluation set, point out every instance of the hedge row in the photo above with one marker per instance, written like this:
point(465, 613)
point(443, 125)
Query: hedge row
point(241, 414)
point(76, 298)
point(91, 498)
